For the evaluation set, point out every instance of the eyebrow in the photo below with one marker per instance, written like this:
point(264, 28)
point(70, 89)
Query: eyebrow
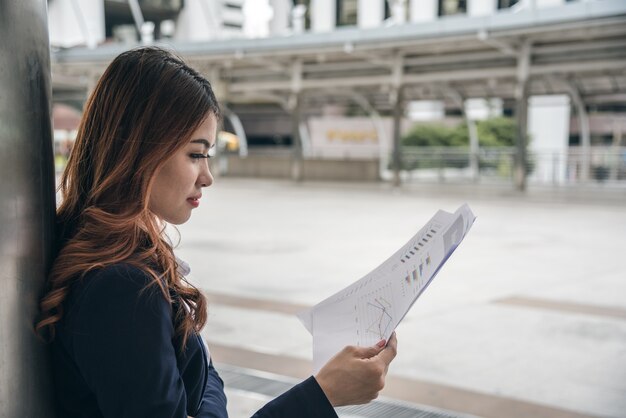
point(202, 141)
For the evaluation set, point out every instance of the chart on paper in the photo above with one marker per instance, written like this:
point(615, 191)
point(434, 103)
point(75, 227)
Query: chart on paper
point(417, 246)
point(375, 315)
point(416, 275)
point(370, 309)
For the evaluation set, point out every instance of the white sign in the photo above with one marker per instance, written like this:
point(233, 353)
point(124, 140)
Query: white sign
point(349, 138)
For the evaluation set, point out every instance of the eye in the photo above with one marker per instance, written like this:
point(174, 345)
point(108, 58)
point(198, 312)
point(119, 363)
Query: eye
point(198, 156)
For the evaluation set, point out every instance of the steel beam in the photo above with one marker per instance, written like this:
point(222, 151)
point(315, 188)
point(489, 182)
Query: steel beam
point(459, 100)
point(295, 105)
point(585, 135)
point(521, 114)
point(398, 111)
point(297, 169)
point(376, 81)
point(239, 130)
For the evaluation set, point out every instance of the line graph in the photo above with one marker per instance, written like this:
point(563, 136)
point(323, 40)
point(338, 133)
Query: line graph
point(375, 311)
point(380, 309)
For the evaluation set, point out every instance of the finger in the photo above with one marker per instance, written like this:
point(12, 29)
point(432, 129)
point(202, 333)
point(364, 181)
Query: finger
point(390, 351)
point(369, 352)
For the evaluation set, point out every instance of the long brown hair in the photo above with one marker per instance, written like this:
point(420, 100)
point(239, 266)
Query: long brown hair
point(144, 108)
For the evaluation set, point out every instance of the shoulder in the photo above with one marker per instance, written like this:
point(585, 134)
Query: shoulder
point(119, 270)
point(120, 285)
point(121, 275)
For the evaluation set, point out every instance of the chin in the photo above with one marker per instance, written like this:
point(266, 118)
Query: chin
point(178, 220)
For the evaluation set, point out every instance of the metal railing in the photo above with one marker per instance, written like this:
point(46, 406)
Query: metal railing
point(607, 165)
point(555, 168)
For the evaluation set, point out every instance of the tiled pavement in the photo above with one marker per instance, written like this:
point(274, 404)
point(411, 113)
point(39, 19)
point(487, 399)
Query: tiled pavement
point(527, 319)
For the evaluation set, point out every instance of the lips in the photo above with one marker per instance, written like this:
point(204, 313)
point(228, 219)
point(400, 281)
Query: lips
point(194, 201)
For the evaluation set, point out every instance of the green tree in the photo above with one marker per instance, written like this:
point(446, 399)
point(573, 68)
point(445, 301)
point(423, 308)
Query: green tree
point(494, 132)
point(497, 132)
point(429, 135)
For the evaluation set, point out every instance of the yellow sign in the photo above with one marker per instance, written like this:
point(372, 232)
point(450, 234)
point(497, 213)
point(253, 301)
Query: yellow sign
point(351, 135)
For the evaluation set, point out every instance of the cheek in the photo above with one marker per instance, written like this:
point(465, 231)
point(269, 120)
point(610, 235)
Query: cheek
point(189, 175)
point(172, 173)
point(163, 188)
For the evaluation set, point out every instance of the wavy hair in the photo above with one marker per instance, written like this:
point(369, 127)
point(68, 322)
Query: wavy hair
point(146, 106)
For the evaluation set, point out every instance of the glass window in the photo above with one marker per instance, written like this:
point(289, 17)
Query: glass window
point(347, 12)
point(505, 4)
point(407, 12)
point(452, 7)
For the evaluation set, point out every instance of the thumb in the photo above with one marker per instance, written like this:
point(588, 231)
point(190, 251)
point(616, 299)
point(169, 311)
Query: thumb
point(368, 352)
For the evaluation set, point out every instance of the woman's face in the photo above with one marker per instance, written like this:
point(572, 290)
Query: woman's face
point(178, 184)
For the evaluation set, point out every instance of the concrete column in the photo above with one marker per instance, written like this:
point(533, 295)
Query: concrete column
point(76, 22)
point(481, 7)
point(474, 147)
point(199, 20)
point(257, 18)
point(298, 158)
point(370, 13)
point(618, 130)
point(294, 105)
point(27, 205)
point(473, 110)
point(323, 15)
point(399, 12)
point(398, 112)
point(585, 135)
point(521, 115)
point(423, 10)
point(470, 115)
point(279, 25)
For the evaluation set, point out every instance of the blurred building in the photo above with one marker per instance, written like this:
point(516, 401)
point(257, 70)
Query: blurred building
point(342, 61)
point(94, 22)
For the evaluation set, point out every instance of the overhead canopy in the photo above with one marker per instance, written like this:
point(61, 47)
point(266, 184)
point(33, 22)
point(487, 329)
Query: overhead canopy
point(580, 45)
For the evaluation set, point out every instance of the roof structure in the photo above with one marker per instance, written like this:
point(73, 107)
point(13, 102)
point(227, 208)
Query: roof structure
point(579, 46)
point(578, 49)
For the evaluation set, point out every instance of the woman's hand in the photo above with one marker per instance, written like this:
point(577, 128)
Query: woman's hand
point(356, 374)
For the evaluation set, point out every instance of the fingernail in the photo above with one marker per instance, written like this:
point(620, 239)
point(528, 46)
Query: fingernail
point(381, 343)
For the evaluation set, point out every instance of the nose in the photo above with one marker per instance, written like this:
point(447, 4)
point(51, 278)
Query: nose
point(205, 179)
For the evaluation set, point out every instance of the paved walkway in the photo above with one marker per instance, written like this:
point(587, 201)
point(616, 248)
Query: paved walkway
point(528, 318)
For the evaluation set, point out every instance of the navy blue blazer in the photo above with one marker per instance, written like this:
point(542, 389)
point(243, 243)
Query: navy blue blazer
point(116, 355)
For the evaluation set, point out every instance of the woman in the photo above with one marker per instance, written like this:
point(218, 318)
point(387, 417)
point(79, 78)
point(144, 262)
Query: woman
point(123, 321)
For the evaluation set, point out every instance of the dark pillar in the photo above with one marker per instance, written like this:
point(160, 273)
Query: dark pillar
point(398, 112)
point(26, 205)
point(521, 114)
point(298, 159)
point(521, 117)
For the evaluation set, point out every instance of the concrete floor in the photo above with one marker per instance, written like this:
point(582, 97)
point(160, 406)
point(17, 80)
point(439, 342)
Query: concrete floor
point(527, 318)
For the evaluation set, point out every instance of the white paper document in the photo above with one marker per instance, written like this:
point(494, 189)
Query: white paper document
point(371, 308)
